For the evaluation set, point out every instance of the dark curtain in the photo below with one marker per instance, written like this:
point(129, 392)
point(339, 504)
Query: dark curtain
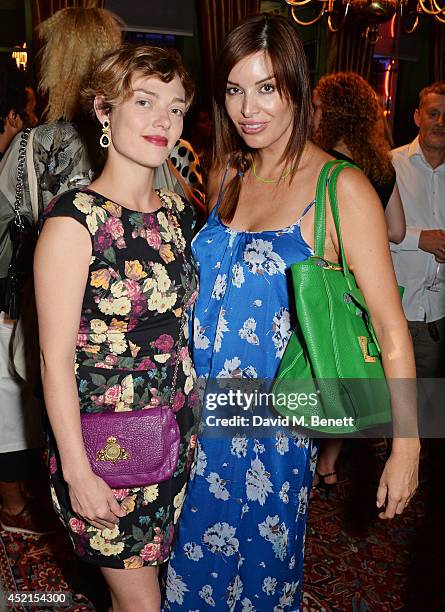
point(215, 19)
point(349, 50)
point(437, 67)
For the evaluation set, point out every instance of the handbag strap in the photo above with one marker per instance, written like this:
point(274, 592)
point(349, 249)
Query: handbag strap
point(328, 181)
point(32, 177)
point(19, 182)
point(187, 267)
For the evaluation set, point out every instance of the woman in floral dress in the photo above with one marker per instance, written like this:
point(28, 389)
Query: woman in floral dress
point(113, 276)
point(241, 534)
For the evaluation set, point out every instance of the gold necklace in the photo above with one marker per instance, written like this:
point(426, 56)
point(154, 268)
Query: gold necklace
point(268, 181)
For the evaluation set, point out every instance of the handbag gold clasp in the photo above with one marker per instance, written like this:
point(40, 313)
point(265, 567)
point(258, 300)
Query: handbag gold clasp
point(113, 451)
point(363, 341)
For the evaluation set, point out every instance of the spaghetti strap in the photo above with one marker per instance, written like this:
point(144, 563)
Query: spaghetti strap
point(215, 208)
point(307, 209)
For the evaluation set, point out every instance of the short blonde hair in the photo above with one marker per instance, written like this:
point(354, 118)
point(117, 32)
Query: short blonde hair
point(113, 77)
point(74, 39)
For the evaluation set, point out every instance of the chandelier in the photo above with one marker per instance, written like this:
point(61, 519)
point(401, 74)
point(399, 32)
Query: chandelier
point(372, 12)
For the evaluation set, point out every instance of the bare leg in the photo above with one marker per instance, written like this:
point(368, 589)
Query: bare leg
point(133, 589)
point(327, 459)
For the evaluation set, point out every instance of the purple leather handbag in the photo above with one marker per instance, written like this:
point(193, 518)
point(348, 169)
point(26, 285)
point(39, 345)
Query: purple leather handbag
point(132, 449)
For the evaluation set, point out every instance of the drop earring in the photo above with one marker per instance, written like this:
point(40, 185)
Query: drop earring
point(105, 140)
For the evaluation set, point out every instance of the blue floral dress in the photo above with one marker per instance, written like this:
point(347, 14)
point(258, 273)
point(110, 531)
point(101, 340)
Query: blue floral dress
point(241, 533)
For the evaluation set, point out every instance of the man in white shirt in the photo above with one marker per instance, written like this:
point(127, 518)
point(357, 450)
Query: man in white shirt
point(419, 260)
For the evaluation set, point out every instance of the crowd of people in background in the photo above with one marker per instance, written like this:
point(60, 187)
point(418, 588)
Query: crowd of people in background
point(162, 260)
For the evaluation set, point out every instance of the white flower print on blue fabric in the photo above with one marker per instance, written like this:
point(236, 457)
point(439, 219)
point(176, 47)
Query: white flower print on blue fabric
point(234, 592)
point(258, 447)
point(269, 585)
point(300, 441)
point(193, 551)
point(221, 328)
point(281, 331)
point(199, 338)
point(218, 486)
point(287, 599)
point(275, 533)
point(249, 372)
point(247, 332)
point(199, 464)
point(292, 562)
point(281, 443)
point(244, 510)
point(258, 483)
point(238, 275)
point(283, 494)
point(231, 368)
point(247, 605)
point(232, 235)
point(206, 594)
point(257, 303)
point(219, 287)
point(313, 461)
point(302, 500)
point(239, 446)
point(175, 587)
point(262, 259)
point(220, 539)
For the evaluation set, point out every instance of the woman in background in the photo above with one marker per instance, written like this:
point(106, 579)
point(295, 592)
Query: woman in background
point(241, 535)
point(349, 124)
point(113, 279)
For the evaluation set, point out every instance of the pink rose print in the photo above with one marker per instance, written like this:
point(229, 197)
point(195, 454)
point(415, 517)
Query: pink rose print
point(146, 364)
point(164, 343)
point(178, 401)
point(102, 241)
point(121, 494)
point(153, 238)
point(150, 552)
point(111, 360)
point(77, 526)
point(184, 353)
point(132, 288)
point(82, 340)
point(112, 394)
point(114, 227)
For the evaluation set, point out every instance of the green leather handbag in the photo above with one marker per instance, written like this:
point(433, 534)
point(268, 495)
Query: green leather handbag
point(331, 378)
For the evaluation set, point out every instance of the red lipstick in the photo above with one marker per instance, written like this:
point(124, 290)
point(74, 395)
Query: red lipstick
point(159, 141)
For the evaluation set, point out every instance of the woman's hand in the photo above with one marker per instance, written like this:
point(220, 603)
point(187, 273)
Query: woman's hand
point(399, 479)
point(93, 500)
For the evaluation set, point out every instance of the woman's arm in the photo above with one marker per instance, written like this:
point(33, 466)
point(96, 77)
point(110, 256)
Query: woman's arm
point(61, 267)
point(365, 240)
point(395, 217)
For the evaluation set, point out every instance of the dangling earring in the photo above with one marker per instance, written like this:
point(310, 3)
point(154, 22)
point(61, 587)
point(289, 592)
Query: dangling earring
point(105, 140)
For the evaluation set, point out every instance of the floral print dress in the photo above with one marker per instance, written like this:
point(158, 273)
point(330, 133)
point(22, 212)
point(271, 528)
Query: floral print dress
point(126, 350)
point(241, 532)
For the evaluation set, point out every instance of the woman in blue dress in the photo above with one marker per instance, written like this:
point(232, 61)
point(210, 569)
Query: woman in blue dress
point(241, 533)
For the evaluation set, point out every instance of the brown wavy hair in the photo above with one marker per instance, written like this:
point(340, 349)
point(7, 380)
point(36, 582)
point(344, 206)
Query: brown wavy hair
point(113, 76)
point(350, 112)
point(277, 37)
point(74, 39)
